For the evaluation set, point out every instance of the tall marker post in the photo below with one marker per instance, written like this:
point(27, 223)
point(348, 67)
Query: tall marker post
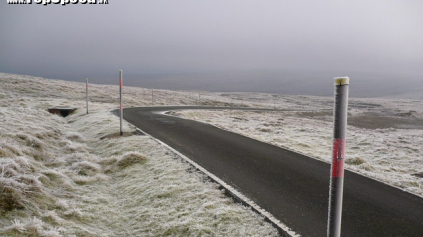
point(86, 93)
point(337, 169)
point(121, 101)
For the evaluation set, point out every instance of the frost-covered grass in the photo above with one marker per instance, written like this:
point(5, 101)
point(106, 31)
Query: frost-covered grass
point(377, 146)
point(74, 177)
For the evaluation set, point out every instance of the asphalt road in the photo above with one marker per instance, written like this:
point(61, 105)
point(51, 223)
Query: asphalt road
point(292, 187)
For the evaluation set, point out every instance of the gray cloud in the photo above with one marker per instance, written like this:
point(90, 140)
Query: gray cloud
point(211, 35)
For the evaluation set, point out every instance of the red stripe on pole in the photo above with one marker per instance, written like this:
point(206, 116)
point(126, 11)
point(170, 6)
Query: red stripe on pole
point(338, 158)
point(120, 82)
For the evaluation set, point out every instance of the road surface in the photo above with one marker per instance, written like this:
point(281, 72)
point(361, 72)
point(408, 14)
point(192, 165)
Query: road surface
point(292, 187)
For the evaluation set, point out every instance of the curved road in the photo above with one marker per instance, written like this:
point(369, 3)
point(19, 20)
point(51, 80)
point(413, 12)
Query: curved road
point(292, 187)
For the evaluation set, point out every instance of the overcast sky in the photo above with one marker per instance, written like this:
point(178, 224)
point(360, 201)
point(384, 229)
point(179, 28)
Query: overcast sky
point(174, 36)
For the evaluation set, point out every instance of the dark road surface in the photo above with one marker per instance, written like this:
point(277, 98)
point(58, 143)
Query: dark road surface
point(292, 187)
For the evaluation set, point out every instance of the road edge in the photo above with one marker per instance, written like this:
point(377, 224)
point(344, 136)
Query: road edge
point(238, 197)
point(304, 154)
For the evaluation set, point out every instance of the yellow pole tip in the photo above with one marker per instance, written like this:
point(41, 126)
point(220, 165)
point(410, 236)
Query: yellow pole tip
point(339, 81)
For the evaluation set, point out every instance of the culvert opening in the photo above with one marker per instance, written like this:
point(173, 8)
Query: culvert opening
point(62, 111)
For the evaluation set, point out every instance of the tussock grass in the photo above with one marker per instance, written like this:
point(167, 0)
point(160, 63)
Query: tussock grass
point(18, 186)
point(75, 177)
point(130, 158)
point(389, 155)
point(355, 161)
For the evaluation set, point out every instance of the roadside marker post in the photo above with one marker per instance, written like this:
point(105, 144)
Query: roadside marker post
point(86, 93)
point(338, 156)
point(121, 100)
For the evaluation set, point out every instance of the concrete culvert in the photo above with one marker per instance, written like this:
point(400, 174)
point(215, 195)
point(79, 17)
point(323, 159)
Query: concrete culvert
point(63, 111)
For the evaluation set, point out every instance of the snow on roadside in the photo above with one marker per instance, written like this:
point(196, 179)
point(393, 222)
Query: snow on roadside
point(393, 156)
point(75, 177)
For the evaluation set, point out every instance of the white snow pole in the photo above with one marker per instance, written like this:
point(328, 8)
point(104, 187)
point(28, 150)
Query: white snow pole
point(338, 156)
point(121, 101)
point(86, 92)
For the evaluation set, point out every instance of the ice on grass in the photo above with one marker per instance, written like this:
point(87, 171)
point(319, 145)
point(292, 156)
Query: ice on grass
point(130, 158)
point(73, 177)
point(392, 155)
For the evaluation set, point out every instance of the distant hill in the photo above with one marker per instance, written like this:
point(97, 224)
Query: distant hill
point(317, 83)
point(291, 82)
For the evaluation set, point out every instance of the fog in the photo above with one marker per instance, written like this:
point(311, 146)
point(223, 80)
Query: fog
point(274, 46)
